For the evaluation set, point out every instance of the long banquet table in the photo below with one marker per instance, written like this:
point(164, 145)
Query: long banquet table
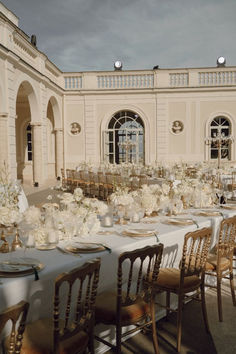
point(40, 293)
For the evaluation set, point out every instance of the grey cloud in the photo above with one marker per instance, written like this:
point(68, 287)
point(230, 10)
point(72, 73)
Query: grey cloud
point(80, 35)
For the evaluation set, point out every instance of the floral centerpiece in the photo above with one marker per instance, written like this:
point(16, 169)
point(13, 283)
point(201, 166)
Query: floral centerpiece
point(9, 193)
point(78, 216)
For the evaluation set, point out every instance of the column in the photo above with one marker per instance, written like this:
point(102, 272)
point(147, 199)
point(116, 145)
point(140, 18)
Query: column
point(37, 152)
point(3, 139)
point(59, 151)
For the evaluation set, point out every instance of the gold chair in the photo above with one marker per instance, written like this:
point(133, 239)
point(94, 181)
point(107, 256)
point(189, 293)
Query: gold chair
point(101, 185)
point(63, 178)
point(143, 179)
point(188, 280)
point(71, 328)
point(132, 302)
point(12, 344)
point(220, 261)
point(134, 182)
point(69, 178)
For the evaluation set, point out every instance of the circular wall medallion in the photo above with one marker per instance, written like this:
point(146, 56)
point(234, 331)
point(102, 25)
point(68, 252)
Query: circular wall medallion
point(75, 128)
point(177, 127)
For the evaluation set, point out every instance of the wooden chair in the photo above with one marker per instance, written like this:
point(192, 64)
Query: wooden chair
point(109, 184)
point(93, 184)
point(132, 302)
point(70, 330)
point(69, 178)
point(134, 182)
point(143, 180)
point(101, 185)
point(220, 261)
point(63, 178)
point(189, 278)
point(12, 344)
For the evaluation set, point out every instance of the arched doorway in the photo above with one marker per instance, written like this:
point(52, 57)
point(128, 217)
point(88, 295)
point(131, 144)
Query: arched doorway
point(220, 126)
point(24, 146)
point(50, 131)
point(124, 138)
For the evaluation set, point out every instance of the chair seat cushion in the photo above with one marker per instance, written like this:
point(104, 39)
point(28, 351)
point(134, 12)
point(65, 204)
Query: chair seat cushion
point(105, 309)
point(212, 262)
point(169, 278)
point(38, 339)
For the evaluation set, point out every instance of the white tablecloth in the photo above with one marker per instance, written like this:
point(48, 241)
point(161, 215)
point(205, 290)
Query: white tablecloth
point(40, 293)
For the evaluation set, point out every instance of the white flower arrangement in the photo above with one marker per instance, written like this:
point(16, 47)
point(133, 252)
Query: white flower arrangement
point(121, 197)
point(9, 215)
point(33, 216)
point(9, 189)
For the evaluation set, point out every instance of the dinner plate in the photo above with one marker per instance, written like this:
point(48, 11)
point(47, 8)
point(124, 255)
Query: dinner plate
point(46, 247)
point(85, 247)
point(19, 267)
point(179, 221)
point(139, 232)
point(207, 213)
point(228, 206)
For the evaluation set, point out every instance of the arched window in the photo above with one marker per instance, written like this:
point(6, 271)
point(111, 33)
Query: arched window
point(29, 149)
point(124, 138)
point(220, 126)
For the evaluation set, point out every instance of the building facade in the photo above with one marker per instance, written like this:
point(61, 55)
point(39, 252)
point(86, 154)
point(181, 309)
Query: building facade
point(50, 119)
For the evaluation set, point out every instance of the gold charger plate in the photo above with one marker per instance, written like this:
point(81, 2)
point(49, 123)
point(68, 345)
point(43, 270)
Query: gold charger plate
point(85, 248)
point(45, 247)
point(179, 222)
point(139, 232)
point(207, 213)
point(228, 206)
point(19, 267)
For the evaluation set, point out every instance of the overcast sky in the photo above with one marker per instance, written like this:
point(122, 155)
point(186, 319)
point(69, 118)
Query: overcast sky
point(84, 35)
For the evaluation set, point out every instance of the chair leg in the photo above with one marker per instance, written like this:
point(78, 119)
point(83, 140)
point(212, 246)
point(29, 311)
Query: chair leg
point(167, 303)
point(91, 344)
point(219, 300)
point(179, 321)
point(154, 328)
point(118, 339)
point(204, 310)
point(231, 278)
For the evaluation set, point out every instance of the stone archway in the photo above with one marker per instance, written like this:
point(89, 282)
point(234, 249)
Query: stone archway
point(54, 139)
point(28, 135)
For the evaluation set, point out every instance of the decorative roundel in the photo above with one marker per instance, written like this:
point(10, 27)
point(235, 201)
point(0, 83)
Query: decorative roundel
point(118, 65)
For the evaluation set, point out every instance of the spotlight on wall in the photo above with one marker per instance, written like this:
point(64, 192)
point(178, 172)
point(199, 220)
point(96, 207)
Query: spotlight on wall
point(118, 65)
point(221, 61)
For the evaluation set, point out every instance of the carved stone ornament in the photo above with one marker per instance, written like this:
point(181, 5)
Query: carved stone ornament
point(75, 128)
point(177, 127)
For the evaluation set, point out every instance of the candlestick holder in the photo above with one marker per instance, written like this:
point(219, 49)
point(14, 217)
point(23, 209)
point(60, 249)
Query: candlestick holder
point(16, 243)
point(5, 245)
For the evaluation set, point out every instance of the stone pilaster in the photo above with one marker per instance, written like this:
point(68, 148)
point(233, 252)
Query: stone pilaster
point(37, 152)
point(4, 138)
point(59, 151)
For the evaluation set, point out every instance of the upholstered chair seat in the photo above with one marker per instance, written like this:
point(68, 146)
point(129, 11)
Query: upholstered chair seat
point(170, 279)
point(39, 336)
point(106, 309)
point(211, 263)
